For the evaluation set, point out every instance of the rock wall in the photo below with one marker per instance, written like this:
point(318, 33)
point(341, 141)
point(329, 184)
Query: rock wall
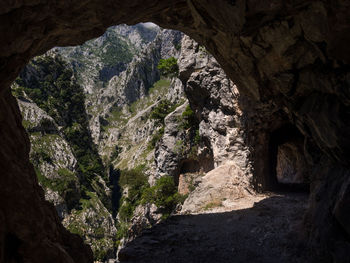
point(290, 57)
point(290, 168)
point(30, 228)
point(214, 99)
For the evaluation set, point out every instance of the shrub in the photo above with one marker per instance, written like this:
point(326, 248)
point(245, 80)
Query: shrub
point(156, 137)
point(53, 88)
point(164, 195)
point(116, 152)
point(168, 67)
point(197, 137)
point(136, 181)
point(125, 211)
point(133, 178)
point(122, 231)
point(161, 111)
point(189, 119)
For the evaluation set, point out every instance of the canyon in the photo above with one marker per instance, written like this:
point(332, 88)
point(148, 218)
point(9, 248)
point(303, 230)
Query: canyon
point(289, 64)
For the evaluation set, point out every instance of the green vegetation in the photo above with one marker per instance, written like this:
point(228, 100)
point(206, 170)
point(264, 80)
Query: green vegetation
point(159, 86)
point(168, 67)
point(116, 152)
point(159, 113)
point(119, 117)
point(122, 231)
point(164, 195)
point(115, 50)
point(82, 218)
point(203, 50)
point(136, 182)
point(162, 110)
point(213, 204)
point(197, 137)
point(180, 147)
point(65, 186)
point(53, 88)
point(17, 90)
point(178, 46)
point(188, 119)
point(155, 138)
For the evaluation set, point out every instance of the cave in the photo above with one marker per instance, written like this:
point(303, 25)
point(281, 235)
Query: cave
point(289, 170)
point(189, 166)
point(288, 55)
point(190, 170)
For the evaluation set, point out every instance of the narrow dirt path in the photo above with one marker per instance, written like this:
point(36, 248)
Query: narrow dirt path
point(260, 229)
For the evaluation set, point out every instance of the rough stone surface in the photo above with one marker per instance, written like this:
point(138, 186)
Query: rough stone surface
point(261, 229)
point(290, 56)
point(176, 153)
point(290, 167)
point(214, 99)
point(225, 183)
point(188, 182)
point(32, 232)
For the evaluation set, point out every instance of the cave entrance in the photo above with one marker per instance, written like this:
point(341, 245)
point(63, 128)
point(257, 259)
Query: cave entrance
point(191, 170)
point(189, 166)
point(289, 170)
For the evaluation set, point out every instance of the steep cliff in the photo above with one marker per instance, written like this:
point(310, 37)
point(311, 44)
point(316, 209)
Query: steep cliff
point(60, 115)
point(65, 160)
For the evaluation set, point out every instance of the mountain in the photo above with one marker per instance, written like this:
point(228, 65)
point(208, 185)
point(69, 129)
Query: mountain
point(84, 107)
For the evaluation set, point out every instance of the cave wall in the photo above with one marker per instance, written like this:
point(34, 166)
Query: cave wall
point(287, 58)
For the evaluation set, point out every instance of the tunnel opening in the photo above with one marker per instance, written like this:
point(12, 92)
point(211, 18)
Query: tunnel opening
point(191, 170)
point(288, 168)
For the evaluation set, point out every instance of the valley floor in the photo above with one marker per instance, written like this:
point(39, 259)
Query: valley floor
point(261, 228)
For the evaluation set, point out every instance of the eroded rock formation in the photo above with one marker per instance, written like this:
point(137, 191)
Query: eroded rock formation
point(289, 57)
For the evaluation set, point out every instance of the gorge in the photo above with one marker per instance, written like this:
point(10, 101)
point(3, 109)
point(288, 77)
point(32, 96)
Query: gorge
point(289, 61)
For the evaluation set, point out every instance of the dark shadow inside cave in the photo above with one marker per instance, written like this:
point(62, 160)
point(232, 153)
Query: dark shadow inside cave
point(288, 168)
point(190, 166)
point(202, 164)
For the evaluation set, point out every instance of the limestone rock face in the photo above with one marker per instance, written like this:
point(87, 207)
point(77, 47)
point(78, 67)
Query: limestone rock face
point(177, 153)
point(46, 240)
point(35, 117)
point(215, 101)
point(170, 149)
point(290, 167)
point(290, 56)
point(119, 67)
point(96, 224)
point(144, 217)
point(52, 155)
point(223, 184)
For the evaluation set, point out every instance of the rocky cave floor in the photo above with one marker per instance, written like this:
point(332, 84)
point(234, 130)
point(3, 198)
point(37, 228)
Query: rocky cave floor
point(262, 228)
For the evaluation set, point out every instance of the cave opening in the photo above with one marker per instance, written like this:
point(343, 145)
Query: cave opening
point(190, 166)
point(288, 168)
point(291, 41)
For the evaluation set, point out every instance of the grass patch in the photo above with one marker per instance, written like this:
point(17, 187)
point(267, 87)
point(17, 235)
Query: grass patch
point(213, 204)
